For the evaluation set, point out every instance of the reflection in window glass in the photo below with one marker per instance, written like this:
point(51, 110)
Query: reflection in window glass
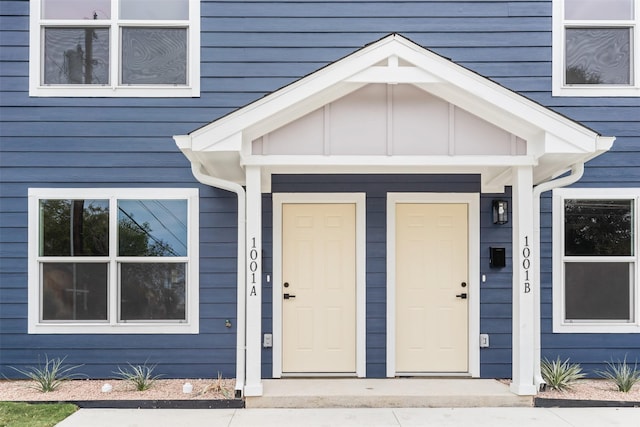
point(154, 56)
point(76, 9)
point(598, 9)
point(76, 56)
point(149, 9)
point(74, 291)
point(598, 291)
point(152, 227)
point(74, 227)
point(598, 56)
point(599, 227)
point(152, 291)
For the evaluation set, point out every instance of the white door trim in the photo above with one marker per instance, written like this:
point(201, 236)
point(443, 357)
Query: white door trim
point(360, 201)
point(473, 201)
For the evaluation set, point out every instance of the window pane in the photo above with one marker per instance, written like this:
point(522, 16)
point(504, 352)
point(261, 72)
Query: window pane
point(598, 9)
point(598, 56)
point(74, 291)
point(152, 291)
point(154, 56)
point(598, 291)
point(76, 56)
point(76, 9)
point(74, 227)
point(154, 10)
point(599, 227)
point(152, 227)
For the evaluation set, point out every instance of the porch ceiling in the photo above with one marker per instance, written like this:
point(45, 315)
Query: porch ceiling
point(553, 142)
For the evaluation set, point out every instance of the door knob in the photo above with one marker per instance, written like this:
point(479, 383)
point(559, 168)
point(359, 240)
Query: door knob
point(288, 296)
point(462, 296)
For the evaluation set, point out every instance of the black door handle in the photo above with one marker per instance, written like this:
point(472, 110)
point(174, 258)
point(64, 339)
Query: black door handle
point(463, 296)
point(287, 296)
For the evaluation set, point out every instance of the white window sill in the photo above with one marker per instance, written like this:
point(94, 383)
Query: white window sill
point(123, 328)
point(596, 328)
point(597, 91)
point(115, 92)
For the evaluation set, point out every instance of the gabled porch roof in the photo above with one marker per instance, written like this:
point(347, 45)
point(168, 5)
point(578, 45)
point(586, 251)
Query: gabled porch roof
point(553, 142)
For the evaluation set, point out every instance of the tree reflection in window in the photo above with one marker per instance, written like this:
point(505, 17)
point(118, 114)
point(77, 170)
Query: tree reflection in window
point(152, 228)
point(598, 227)
point(152, 286)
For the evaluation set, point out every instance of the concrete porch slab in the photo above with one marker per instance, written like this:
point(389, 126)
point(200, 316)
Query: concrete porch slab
point(386, 393)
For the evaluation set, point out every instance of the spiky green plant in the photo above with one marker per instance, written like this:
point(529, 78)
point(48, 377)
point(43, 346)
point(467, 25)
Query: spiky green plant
point(559, 375)
point(50, 375)
point(141, 376)
point(623, 374)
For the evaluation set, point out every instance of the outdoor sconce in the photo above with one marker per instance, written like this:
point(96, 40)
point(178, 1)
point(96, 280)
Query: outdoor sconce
point(500, 212)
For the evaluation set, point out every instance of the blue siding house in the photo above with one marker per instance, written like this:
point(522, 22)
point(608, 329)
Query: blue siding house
point(275, 189)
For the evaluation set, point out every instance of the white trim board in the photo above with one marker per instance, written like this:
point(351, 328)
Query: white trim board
point(473, 201)
point(360, 201)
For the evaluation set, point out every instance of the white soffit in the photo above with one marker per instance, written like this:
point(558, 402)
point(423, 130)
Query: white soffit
point(393, 60)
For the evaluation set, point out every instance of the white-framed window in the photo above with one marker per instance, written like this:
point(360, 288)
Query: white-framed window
point(113, 260)
point(596, 48)
point(595, 260)
point(114, 48)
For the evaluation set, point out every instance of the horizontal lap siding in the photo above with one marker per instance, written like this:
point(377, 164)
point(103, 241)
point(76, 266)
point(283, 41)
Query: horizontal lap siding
point(248, 50)
point(93, 142)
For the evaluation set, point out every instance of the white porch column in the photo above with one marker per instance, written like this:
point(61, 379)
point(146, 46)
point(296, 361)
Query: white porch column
point(523, 282)
point(253, 385)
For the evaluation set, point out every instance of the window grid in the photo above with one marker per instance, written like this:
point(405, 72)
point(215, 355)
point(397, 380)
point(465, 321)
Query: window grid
point(560, 260)
point(113, 322)
point(115, 24)
point(560, 26)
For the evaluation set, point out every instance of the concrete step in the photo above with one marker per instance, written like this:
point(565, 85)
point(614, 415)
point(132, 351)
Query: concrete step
point(386, 393)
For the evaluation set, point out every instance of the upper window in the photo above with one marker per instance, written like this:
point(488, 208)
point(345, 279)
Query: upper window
point(113, 260)
point(596, 260)
point(596, 48)
point(115, 48)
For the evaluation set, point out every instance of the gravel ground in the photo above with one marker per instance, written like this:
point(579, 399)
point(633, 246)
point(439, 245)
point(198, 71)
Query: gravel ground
point(223, 389)
point(594, 390)
point(208, 389)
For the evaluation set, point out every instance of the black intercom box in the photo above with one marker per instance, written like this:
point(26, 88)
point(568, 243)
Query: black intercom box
point(498, 257)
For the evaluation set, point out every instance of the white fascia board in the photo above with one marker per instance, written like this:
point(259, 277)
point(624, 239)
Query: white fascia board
point(480, 95)
point(207, 142)
point(298, 92)
point(293, 112)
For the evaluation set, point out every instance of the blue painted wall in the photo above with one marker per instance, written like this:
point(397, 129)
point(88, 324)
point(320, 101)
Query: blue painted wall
point(250, 49)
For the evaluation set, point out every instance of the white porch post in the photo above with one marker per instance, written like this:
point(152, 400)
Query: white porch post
point(523, 282)
point(253, 385)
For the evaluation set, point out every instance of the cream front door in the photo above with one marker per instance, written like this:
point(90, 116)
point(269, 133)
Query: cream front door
point(319, 288)
point(431, 288)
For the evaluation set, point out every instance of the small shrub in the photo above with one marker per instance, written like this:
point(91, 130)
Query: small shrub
point(49, 376)
point(559, 375)
point(141, 376)
point(622, 374)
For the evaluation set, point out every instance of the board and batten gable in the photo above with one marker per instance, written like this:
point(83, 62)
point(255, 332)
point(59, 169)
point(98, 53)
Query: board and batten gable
point(249, 49)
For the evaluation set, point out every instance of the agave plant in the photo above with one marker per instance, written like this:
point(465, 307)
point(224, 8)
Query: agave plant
point(622, 374)
point(559, 375)
point(141, 376)
point(50, 375)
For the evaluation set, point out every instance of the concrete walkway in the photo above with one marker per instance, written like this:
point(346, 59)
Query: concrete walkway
point(371, 417)
point(386, 393)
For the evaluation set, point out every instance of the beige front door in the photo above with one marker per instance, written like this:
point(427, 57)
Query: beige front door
point(431, 277)
point(319, 288)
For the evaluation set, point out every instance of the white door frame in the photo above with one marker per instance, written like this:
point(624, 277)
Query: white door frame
point(359, 199)
point(473, 201)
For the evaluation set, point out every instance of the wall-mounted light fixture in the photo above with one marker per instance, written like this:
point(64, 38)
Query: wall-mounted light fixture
point(500, 211)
